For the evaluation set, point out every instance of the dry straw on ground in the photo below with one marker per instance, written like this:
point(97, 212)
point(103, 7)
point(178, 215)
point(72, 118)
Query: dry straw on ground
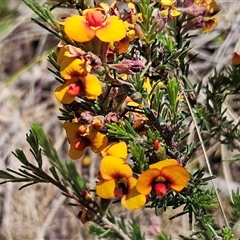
point(41, 212)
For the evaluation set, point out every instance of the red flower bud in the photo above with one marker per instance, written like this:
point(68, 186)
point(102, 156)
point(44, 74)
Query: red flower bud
point(155, 145)
point(236, 59)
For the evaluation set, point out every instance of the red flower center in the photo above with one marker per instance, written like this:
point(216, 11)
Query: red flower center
point(160, 189)
point(74, 89)
point(82, 144)
point(94, 18)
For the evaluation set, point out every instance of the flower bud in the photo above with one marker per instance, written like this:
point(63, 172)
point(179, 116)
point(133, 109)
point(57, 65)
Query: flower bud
point(128, 66)
point(236, 59)
point(86, 196)
point(155, 145)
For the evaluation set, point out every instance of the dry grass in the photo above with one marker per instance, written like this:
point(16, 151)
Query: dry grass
point(40, 212)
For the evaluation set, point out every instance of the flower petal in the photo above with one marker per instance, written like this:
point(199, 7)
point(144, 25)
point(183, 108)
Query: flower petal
point(76, 28)
point(175, 13)
point(133, 200)
point(112, 30)
point(72, 51)
point(60, 51)
point(164, 13)
point(116, 149)
point(167, 3)
point(92, 86)
point(213, 8)
point(62, 95)
point(114, 168)
point(98, 141)
point(208, 24)
point(177, 177)
point(144, 182)
point(74, 153)
point(147, 85)
point(72, 131)
point(168, 162)
point(62, 92)
point(94, 18)
point(72, 67)
point(122, 45)
point(105, 188)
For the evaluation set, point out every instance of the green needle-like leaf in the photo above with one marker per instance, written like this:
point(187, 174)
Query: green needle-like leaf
point(52, 169)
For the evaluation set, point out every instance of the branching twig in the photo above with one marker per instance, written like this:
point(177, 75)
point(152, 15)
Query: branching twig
point(205, 154)
point(116, 228)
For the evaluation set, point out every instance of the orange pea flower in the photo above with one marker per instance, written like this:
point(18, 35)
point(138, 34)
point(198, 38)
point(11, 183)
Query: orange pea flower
point(72, 61)
point(132, 30)
point(75, 66)
point(81, 137)
point(88, 85)
point(208, 23)
point(161, 176)
point(94, 23)
point(116, 181)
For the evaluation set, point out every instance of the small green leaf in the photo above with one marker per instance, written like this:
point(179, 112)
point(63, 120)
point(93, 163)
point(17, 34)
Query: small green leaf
point(54, 173)
point(20, 155)
point(27, 185)
point(5, 175)
point(77, 181)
